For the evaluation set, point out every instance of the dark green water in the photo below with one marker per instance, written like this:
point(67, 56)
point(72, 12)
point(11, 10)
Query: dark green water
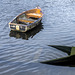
point(21, 53)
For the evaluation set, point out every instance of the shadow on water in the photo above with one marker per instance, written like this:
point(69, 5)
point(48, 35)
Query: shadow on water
point(65, 61)
point(28, 34)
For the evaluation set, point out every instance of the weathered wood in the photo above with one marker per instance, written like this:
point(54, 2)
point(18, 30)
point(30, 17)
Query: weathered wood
point(26, 20)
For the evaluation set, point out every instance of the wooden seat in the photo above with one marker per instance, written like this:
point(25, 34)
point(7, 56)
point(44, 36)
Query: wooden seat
point(35, 15)
point(25, 21)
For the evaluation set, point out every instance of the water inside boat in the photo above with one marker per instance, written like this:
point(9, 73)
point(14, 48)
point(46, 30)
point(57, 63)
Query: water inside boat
point(22, 19)
point(28, 17)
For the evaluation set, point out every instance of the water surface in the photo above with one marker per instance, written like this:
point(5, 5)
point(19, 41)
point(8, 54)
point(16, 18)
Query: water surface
point(21, 53)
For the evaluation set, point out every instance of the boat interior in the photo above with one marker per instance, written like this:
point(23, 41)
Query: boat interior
point(23, 19)
point(28, 17)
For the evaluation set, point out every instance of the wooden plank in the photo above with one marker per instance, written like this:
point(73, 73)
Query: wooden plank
point(25, 21)
point(35, 15)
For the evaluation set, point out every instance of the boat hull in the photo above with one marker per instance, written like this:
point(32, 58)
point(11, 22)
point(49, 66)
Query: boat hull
point(24, 28)
point(26, 20)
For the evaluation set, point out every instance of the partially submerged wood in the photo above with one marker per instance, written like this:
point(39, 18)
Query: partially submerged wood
point(26, 20)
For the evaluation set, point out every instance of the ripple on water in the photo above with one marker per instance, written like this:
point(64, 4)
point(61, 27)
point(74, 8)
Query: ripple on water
point(20, 53)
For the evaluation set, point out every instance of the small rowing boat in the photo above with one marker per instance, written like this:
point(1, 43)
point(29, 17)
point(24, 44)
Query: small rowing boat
point(26, 20)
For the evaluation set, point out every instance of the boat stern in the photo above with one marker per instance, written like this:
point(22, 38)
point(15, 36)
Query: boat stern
point(18, 27)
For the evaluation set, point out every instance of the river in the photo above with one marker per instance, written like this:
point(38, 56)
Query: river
point(21, 53)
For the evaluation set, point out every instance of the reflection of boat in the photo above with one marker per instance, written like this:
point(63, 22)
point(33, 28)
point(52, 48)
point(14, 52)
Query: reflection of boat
point(28, 34)
point(65, 61)
point(26, 20)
